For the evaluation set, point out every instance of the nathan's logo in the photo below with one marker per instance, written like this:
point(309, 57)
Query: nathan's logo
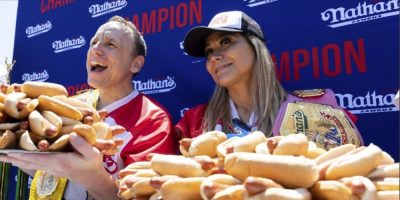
point(300, 121)
point(338, 17)
point(68, 44)
point(370, 103)
point(32, 31)
point(36, 76)
point(254, 3)
point(107, 7)
point(155, 86)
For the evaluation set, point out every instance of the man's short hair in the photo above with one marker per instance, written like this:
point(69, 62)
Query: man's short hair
point(140, 44)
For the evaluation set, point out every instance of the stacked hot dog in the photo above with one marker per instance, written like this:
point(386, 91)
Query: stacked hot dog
point(256, 167)
point(38, 116)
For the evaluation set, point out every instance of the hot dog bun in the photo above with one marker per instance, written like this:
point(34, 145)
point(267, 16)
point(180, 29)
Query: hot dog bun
point(182, 189)
point(177, 165)
point(216, 183)
point(283, 194)
point(8, 140)
point(334, 153)
point(293, 144)
point(86, 132)
point(60, 144)
point(12, 107)
point(249, 142)
point(357, 164)
point(25, 142)
point(222, 148)
point(289, 171)
point(234, 192)
point(103, 130)
point(83, 107)
point(34, 89)
point(204, 144)
point(381, 171)
point(59, 107)
point(42, 127)
point(383, 184)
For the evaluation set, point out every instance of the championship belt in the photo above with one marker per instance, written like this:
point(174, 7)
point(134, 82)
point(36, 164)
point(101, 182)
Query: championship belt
point(45, 186)
point(326, 126)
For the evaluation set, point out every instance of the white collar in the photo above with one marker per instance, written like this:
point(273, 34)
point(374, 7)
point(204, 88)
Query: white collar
point(116, 104)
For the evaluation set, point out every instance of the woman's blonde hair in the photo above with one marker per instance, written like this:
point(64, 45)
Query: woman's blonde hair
point(266, 91)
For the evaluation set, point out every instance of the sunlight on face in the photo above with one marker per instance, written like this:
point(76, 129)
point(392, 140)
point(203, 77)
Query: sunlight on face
point(230, 59)
point(110, 56)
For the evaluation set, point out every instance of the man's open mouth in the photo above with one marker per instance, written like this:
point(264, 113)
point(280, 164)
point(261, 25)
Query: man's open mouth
point(97, 67)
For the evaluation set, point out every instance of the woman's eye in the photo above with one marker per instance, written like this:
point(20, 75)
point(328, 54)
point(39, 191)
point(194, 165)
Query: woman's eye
point(208, 52)
point(225, 42)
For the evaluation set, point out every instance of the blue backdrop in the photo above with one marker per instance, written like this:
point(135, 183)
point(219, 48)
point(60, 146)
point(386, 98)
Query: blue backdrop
point(349, 46)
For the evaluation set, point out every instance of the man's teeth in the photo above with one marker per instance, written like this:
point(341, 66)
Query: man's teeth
point(94, 63)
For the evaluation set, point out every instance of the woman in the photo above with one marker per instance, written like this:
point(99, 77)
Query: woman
point(248, 95)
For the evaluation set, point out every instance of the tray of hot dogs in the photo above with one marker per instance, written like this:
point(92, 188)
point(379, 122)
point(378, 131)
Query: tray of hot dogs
point(37, 117)
point(255, 167)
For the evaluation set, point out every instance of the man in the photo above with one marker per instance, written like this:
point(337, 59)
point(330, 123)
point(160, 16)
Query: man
point(116, 54)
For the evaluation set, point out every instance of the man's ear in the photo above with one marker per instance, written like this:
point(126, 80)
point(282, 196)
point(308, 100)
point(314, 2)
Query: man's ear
point(137, 64)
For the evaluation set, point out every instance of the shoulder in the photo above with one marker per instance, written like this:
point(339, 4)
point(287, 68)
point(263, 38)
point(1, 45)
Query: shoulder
point(196, 110)
point(150, 103)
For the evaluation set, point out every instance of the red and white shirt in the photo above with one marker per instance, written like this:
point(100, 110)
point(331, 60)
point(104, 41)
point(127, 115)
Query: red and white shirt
point(148, 127)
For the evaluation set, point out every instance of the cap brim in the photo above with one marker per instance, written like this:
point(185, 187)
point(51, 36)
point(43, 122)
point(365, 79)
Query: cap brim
point(195, 40)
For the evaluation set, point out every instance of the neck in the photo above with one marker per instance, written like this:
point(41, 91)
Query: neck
point(243, 100)
point(108, 96)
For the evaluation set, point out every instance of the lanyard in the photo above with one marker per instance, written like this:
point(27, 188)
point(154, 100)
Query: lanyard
point(237, 127)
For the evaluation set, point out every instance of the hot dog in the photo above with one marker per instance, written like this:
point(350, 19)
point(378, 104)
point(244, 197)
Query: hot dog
point(256, 185)
point(356, 187)
point(25, 142)
point(41, 126)
point(222, 148)
point(8, 139)
point(85, 131)
point(34, 89)
point(314, 151)
point(9, 126)
point(103, 130)
point(359, 163)
point(136, 185)
point(215, 184)
point(204, 144)
point(60, 144)
point(84, 108)
point(182, 166)
point(283, 194)
point(248, 143)
point(293, 144)
point(17, 109)
point(382, 171)
point(59, 107)
point(384, 184)
point(334, 153)
point(182, 189)
point(134, 168)
point(289, 171)
point(361, 187)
